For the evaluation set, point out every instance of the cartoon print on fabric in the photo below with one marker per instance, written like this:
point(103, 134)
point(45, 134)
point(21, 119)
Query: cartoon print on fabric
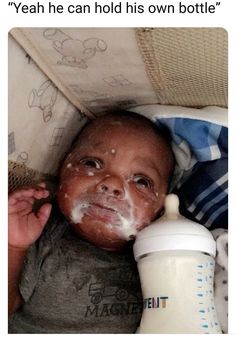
point(100, 101)
point(109, 296)
point(23, 157)
point(11, 143)
point(44, 98)
point(117, 81)
point(74, 52)
point(57, 136)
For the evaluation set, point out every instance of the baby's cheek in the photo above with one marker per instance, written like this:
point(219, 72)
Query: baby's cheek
point(75, 185)
point(70, 170)
point(65, 202)
point(67, 194)
point(146, 213)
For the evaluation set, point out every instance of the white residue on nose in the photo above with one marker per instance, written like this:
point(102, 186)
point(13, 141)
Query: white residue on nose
point(157, 194)
point(113, 151)
point(90, 174)
point(69, 165)
point(66, 195)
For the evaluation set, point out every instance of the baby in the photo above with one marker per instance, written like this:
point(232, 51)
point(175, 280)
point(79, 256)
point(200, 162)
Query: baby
point(112, 184)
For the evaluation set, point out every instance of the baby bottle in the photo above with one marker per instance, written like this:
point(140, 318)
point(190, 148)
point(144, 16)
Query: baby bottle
point(175, 259)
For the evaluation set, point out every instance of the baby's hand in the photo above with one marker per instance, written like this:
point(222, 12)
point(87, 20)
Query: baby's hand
point(24, 226)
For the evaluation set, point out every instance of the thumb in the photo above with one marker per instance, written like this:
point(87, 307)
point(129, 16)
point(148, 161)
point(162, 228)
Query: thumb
point(43, 214)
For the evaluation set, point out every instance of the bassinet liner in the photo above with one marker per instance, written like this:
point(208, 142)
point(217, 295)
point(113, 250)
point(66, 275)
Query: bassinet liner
point(61, 77)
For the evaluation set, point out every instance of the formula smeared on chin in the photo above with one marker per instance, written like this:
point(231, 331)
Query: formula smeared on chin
point(124, 225)
point(78, 212)
point(127, 228)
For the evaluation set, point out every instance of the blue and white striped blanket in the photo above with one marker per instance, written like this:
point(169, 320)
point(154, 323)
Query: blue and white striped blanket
point(201, 151)
point(201, 174)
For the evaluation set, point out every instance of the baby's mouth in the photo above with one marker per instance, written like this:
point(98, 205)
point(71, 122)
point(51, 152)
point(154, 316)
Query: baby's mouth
point(104, 213)
point(116, 217)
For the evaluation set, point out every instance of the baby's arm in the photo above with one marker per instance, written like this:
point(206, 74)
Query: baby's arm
point(24, 228)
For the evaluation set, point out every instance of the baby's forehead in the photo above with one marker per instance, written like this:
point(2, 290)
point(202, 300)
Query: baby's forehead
point(104, 121)
point(120, 130)
point(113, 133)
point(122, 124)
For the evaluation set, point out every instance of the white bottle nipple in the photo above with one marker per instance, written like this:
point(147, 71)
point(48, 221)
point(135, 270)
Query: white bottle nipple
point(173, 232)
point(172, 207)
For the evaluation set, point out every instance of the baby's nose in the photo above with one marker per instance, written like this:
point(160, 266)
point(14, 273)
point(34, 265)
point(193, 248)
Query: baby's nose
point(112, 186)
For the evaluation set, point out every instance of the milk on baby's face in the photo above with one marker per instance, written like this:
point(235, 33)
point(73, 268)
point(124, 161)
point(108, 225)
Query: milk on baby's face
point(126, 226)
point(109, 190)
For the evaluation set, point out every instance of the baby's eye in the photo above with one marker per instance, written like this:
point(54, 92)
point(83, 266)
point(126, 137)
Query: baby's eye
point(91, 163)
point(143, 182)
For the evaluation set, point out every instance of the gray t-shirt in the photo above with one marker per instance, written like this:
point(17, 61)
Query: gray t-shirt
point(71, 286)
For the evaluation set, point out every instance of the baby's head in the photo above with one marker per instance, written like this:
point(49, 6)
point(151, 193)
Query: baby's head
point(114, 181)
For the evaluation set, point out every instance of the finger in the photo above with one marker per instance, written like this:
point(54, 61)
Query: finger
point(14, 197)
point(29, 195)
point(42, 184)
point(40, 194)
point(13, 202)
point(20, 206)
point(43, 213)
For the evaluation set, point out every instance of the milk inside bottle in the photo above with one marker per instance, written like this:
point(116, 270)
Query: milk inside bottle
point(176, 266)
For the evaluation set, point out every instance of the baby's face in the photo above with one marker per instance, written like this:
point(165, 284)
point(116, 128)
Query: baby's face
point(114, 182)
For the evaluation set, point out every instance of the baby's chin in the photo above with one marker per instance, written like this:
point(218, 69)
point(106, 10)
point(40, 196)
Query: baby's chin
point(99, 235)
point(106, 227)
